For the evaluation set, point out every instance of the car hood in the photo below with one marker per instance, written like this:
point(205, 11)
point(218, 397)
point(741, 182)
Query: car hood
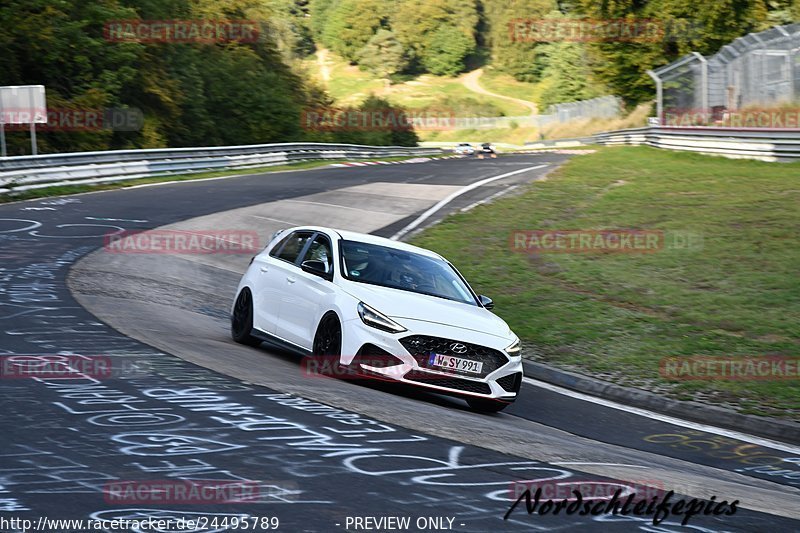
point(398, 305)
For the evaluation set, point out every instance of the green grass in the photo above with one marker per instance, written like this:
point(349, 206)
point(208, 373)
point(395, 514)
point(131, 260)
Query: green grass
point(349, 85)
point(519, 135)
point(63, 190)
point(505, 84)
point(617, 315)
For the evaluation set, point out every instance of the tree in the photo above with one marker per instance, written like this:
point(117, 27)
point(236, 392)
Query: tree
point(416, 22)
point(513, 51)
point(318, 11)
point(568, 75)
point(191, 94)
point(351, 24)
point(622, 65)
point(445, 53)
point(383, 55)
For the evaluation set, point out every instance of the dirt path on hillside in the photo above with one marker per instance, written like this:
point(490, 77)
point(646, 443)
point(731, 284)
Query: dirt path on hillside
point(470, 81)
point(322, 61)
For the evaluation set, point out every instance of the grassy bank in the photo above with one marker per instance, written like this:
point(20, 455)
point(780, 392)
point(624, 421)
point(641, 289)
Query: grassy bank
point(616, 316)
point(349, 85)
point(522, 134)
point(504, 84)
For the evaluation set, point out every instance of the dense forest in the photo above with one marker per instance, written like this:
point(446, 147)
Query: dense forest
point(255, 90)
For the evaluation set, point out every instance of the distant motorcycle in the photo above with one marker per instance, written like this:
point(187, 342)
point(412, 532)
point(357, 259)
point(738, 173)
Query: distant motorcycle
point(487, 150)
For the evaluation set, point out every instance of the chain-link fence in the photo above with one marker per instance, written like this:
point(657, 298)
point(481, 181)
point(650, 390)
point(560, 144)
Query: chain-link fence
point(759, 70)
point(601, 107)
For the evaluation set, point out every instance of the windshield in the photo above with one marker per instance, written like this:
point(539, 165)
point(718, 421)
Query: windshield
point(407, 271)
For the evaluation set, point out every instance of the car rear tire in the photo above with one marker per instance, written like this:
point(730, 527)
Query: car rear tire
point(242, 320)
point(484, 405)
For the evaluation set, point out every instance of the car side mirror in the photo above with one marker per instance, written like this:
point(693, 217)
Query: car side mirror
point(318, 268)
point(486, 301)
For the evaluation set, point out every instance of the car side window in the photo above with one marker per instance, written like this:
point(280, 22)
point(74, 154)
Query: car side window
point(290, 248)
point(320, 250)
point(277, 248)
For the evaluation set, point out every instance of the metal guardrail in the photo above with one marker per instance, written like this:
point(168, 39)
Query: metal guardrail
point(33, 172)
point(561, 143)
point(739, 143)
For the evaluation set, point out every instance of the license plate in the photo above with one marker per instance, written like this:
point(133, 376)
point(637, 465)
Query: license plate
point(449, 362)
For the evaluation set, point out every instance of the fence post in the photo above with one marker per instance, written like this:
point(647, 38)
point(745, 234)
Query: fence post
point(703, 81)
point(790, 61)
point(659, 96)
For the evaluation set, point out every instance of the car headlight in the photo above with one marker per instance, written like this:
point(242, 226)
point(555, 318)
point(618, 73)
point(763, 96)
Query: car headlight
point(371, 317)
point(514, 349)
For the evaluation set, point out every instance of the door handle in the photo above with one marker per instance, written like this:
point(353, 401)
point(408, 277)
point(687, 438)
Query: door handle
point(264, 269)
point(290, 279)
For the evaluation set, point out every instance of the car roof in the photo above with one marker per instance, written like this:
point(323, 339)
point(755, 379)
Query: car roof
point(368, 239)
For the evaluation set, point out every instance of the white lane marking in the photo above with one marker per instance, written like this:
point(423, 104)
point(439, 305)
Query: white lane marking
point(427, 214)
point(175, 182)
point(360, 209)
point(292, 224)
point(489, 199)
point(114, 219)
point(562, 463)
point(666, 418)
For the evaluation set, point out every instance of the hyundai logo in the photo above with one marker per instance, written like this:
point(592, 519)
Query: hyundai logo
point(457, 347)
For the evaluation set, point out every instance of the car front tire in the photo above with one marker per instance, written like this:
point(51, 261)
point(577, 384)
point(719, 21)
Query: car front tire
point(328, 339)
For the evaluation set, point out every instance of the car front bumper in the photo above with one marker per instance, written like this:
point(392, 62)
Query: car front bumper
point(500, 379)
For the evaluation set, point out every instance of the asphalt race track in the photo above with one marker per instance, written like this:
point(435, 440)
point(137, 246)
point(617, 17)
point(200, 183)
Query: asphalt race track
point(183, 402)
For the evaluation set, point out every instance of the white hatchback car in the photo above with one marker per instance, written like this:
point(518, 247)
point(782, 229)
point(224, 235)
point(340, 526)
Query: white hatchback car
point(381, 309)
point(464, 149)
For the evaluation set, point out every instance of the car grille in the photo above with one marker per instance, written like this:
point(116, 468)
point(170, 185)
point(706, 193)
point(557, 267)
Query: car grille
point(465, 385)
point(511, 382)
point(422, 346)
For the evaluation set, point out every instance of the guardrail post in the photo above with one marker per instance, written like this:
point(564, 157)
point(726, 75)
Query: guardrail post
point(2, 136)
point(2, 131)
